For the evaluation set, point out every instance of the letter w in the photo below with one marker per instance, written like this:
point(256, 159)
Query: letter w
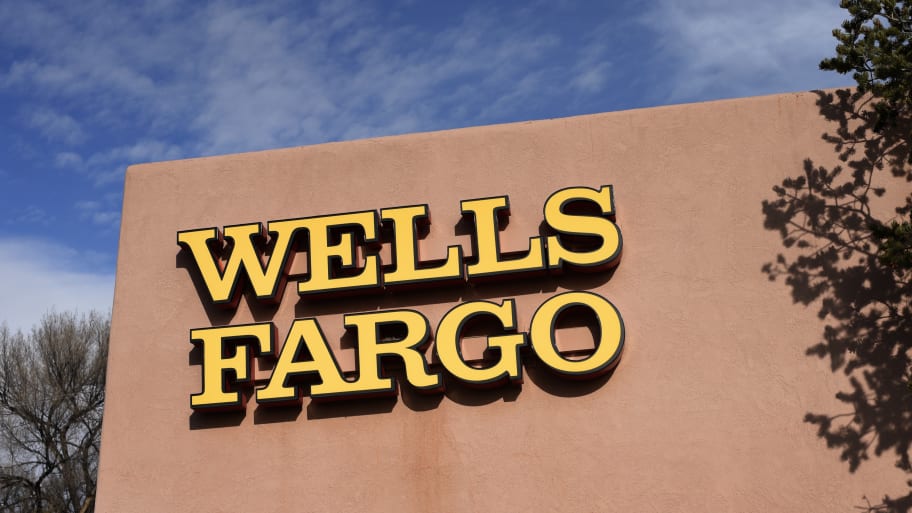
point(221, 277)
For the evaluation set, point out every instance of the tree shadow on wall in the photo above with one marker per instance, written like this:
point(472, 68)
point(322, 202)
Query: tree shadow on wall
point(825, 219)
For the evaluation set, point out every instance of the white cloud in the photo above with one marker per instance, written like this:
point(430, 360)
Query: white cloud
point(172, 80)
point(592, 78)
point(594, 58)
point(30, 72)
point(96, 212)
point(108, 218)
point(56, 126)
point(236, 77)
point(108, 166)
point(87, 205)
point(39, 276)
point(68, 159)
point(723, 48)
point(278, 82)
point(34, 215)
point(139, 152)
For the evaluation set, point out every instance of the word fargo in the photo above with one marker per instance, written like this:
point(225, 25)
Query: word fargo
point(343, 258)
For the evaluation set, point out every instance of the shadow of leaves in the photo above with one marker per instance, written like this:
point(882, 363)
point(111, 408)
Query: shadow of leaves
point(824, 218)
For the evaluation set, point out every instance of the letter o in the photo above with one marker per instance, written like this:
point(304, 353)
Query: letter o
point(611, 335)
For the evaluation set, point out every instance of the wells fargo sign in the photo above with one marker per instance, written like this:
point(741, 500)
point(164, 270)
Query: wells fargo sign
point(341, 257)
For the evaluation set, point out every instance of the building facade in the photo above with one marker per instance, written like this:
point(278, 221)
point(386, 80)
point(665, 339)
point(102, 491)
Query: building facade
point(616, 346)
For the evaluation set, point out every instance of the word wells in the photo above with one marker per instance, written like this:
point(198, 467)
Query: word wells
point(343, 256)
point(331, 248)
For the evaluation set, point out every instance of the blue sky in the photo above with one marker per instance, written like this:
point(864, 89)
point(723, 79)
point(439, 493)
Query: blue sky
point(88, 88)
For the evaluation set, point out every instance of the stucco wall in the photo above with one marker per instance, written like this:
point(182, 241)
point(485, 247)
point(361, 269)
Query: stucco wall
point(704, 412)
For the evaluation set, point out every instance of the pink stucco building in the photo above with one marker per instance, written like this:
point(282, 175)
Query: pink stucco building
point(704, 411)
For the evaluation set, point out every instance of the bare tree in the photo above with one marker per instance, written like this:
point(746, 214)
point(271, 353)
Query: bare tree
point(51, 400)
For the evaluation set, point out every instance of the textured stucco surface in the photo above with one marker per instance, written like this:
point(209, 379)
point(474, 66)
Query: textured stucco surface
point(704, 413)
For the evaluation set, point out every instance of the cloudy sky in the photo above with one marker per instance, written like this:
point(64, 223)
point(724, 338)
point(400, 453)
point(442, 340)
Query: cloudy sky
point(88, 88)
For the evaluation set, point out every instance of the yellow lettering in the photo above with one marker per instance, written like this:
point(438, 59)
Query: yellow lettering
point(575, 227)
point(222, 281)
point(304, 334)
point(448, 343)
point(487, 213)
point(405, 221)
point(611, 334)
point(409, 347)
point(216, 392)
point(322, 253)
